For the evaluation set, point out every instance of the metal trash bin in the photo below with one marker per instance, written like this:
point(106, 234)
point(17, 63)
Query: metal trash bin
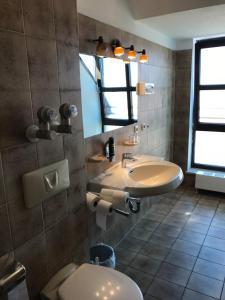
point(103, 255)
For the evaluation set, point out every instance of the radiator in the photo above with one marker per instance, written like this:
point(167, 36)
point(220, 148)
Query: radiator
point(211, 181)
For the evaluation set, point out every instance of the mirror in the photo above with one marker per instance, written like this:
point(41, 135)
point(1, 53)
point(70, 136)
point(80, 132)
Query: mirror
point(108, 93)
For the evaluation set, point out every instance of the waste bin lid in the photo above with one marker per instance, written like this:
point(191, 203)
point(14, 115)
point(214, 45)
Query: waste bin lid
point(91, 282)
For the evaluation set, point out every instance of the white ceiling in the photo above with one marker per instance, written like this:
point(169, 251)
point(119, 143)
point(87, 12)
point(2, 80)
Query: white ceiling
point(171, 23)
point(186, 25)
point(151, 8)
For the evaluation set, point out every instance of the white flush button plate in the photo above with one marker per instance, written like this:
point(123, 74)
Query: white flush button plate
point(46, 182)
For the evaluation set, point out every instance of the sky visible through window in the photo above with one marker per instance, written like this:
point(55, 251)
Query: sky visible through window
point(210, 145)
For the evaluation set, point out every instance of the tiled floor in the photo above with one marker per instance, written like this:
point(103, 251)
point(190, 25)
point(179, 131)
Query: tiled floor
point(177, 250)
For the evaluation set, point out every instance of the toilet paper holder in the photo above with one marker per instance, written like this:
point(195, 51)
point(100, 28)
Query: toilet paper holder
point(12, 279)
point(116, 210)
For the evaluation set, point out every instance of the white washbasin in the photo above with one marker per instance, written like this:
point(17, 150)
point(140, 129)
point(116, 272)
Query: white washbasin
point(146, 176)
point(155, 177)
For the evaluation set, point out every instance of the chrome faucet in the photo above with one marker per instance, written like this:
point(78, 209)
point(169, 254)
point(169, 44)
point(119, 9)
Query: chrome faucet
point(67, 111)
point(125, 157)
point(45, 115)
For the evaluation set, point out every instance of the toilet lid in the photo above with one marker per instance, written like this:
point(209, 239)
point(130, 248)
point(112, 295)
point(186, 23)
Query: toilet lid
point(91, 282)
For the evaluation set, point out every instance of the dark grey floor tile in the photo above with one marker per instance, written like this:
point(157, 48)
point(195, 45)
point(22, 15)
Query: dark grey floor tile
point(192, 295)
point(166, 241)
point(213, 255)
point(162, 209)
point(181, 259)
point(196, 227)
point(204, 211)
point(192, 236)
point(200, 219)
point(143, 280)
point(140, 234)
point(209, 201)
point(218, 222)
point(168, 230)
point(173, 274)
point(146, 224)
point(165, 290)
point(154, 250)
point(146, 264)
point(169, 201)
point(120, 267)
point(154, 216)
point(124, 256)
point(205, 285)
point(215, 243)
point(149, 297)
point(210, 269)
point(186, 247)
point(217, 232)
point(131, 243)
point(170, 220)
point(183, 207)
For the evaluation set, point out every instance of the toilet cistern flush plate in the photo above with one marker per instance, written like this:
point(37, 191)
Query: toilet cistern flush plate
point(45, 182)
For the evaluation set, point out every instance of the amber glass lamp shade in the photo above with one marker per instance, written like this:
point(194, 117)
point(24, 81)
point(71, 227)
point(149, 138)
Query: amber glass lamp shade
point(131, 53)
point(143, 57)
point(126, 61)
point(101, 48)
point(118, 51)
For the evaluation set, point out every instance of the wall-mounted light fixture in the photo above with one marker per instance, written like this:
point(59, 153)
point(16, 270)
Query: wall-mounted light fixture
point(131, 53)
point(143, 57)
point(119, 51)
point(117, 48)
point(101, 48)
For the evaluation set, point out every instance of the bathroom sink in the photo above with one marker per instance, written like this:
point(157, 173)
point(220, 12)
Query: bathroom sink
point(155, 177)
point(145, 176)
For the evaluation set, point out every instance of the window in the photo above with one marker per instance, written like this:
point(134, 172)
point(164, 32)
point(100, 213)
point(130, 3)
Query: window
point(117, 87)
point(208, 126)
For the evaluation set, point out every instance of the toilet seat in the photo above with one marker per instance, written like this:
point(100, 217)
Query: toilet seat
point(91, 282)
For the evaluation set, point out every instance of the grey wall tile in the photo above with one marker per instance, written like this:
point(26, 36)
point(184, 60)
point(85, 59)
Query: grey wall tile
point(55, 209)
point(13, 62)
point(77, 190)
point(66, 24)
point(11, 15)
point(69, 72)
point(61, 234)
point(5, 234)
point(74, 151)
point(42, 64)
point(50, 152)
point(39, 18)
point(33, 256)
point(16, 116)
point(16, 162)
point(25, 222)
point(2, 187)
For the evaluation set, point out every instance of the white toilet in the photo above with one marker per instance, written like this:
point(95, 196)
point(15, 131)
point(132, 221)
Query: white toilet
point(90, 282)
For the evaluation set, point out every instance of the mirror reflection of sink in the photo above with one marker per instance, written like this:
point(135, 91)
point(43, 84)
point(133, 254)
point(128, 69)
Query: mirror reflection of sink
point(146, 176)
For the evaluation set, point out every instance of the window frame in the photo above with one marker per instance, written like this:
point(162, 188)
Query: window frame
point(128, 89)
point(196, 124)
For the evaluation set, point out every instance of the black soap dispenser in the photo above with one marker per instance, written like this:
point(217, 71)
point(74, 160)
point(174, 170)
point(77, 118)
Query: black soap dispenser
point(109, 149)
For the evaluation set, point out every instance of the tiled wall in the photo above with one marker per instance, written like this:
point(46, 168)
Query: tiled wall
point(155, 110)
point(39, 66)
point(181, 110)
